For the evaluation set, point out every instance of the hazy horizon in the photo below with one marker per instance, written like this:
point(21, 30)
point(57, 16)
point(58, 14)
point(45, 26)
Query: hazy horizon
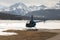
point(48, 3)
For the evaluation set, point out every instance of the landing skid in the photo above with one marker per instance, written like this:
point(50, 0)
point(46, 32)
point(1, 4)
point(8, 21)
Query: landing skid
point(31, 29)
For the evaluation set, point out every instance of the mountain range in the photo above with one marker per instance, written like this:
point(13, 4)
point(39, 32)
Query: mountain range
point(51, 14)
point(42, 11)
point(21, 9)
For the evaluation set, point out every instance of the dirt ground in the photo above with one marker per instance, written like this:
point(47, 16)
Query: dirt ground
point(28, 35)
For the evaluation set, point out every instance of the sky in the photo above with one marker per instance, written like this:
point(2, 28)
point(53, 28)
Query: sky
point(48, 3)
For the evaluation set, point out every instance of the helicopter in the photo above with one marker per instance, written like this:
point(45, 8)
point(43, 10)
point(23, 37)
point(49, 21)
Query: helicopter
point(32, 23)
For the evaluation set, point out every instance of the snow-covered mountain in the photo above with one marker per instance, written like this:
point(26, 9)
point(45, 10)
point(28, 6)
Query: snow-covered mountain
point(35, 8)
point(18, 5)
point(22, 9)
point(17, 9)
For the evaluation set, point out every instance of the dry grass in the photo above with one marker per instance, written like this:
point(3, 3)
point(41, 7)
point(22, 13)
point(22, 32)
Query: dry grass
point(28, 35)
